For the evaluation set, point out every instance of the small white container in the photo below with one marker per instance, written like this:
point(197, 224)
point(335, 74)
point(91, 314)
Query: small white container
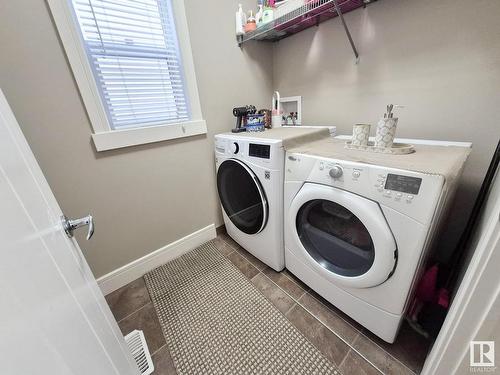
point(386, 130)
point(360, 134)
point(276, 121)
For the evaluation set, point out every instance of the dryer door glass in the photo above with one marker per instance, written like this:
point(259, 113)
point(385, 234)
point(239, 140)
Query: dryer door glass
point(335, 237)
point(242, 196)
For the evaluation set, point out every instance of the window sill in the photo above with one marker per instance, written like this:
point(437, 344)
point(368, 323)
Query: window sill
point(111, 140)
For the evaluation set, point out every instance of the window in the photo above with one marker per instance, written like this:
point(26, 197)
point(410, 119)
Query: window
point(133, 65)
point(133, 51)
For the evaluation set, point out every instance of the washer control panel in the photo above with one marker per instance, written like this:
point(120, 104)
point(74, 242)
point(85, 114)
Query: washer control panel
point(336, 171)
point(411, 192)
point(404, 191)
point(403, 183)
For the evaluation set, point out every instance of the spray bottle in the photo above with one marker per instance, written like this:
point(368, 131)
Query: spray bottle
point(258, 16)
point(240, 21)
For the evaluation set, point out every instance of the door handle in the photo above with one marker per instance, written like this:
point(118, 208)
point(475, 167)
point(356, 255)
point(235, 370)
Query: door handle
point(70, 225)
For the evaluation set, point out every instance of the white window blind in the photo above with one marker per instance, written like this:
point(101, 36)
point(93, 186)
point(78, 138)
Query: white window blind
point(134, 53)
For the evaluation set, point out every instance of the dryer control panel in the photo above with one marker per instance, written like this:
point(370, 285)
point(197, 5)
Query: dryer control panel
point(259, 151)
point(412, 193)
point(265, 153)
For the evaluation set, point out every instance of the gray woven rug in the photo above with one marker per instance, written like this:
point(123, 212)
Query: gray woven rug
point(216, 322)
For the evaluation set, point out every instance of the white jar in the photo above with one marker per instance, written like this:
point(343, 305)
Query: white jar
point(360, 134)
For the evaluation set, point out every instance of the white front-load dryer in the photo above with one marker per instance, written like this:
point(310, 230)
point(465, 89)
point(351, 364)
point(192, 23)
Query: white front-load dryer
point(250, 172)
point(357, 233)
point(250, 187)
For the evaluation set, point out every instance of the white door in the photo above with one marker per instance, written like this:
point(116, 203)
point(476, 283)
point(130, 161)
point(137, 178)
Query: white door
point(53, 317)
point(344, 236)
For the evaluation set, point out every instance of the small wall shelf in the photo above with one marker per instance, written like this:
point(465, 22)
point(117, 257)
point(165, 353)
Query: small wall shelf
point(312, 13)
point(292, 104)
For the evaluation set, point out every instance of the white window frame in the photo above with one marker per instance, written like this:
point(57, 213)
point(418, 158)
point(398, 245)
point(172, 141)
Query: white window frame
point(104, 137)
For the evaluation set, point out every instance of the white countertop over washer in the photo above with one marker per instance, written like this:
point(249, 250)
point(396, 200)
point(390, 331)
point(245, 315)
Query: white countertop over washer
point(433, 157)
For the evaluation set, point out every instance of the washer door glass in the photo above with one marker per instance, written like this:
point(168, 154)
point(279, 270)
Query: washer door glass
point(335, 237)
point(242, 196)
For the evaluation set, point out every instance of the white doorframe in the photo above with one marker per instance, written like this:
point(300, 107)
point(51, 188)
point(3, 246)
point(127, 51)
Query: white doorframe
point(475, 311)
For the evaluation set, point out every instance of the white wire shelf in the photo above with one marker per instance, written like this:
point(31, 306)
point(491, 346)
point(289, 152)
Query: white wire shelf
point(312, 13)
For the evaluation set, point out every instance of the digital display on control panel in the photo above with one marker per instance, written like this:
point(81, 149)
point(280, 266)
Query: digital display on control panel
point(259, 151)
point(404, 184)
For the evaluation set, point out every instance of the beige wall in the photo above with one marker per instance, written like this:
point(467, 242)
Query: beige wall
point(440, 58)
point(142, 197)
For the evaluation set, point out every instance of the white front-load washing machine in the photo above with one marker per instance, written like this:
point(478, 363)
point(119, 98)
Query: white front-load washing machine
point(357, 233)
point(250, 171)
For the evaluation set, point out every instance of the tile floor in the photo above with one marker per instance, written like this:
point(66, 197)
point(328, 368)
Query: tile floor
point(347, 344)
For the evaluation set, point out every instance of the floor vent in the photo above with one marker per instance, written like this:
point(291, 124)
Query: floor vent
point(139, 349)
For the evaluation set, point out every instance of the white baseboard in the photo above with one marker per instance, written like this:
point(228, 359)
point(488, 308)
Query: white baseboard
point(129, 272)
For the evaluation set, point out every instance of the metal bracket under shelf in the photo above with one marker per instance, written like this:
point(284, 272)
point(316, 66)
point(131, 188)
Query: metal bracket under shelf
point(348, 33)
